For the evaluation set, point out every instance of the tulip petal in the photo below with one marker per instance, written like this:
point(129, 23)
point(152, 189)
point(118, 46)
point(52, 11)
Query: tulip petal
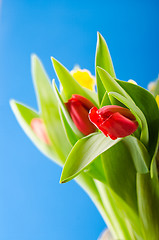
point(106, 111)
point(118, 126)
point(79, 116)
point(85, 102)
point(114, 121)
point(94, 118)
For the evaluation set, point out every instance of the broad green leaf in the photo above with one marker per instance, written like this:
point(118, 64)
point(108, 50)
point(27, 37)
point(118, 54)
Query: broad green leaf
point(49, 110)
point(83, 153)
point(96, 170)
point(24, 115)
point(139, 154)
point(70, 85)
point(147, 104)
point(121, 162)
point(103, 60)
point(70, 134)
point(65, 112)
point(121, 173)
point(137, 113)
point(148, 202)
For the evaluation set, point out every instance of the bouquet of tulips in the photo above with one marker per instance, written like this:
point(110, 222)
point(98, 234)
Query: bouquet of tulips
point(106, 139)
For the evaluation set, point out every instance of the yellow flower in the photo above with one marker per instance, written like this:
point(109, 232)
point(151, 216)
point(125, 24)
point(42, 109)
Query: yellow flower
point(84, 78)
point(157, 100)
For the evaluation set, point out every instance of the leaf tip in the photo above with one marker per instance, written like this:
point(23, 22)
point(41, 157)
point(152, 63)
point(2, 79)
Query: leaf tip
point(33, 56)
point(98, 34)
point(63, 180)
point(12, 104)
point(99, 69)
point(54, 61)
point(100, 37)
point(34, 59)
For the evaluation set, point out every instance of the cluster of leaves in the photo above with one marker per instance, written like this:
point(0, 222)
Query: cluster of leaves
point(119, 175)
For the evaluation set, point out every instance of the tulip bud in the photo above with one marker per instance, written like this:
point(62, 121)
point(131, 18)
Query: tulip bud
point(114, 121)
point(39, 129)
point(78, 108)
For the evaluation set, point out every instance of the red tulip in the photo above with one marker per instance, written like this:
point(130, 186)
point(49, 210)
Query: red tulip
point(39, 129)
point(78, 108)
point(114, 121)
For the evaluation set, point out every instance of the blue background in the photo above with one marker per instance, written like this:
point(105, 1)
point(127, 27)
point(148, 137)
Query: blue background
point(33, 205)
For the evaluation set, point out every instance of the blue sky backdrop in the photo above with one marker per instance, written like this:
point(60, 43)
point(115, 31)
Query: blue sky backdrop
point(33, 205)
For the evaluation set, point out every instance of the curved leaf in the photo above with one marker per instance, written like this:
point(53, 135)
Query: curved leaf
point(121, 173)
point(77, 133)
point(70, 134)
point(121, 162)
point(103, 59)
point(24, 115)
point(96, 170)
point(111, 85)
point(139, 154)
point(83, 153)
point(49, 110)
point(147, 104)
point(138, 114)
point(70, 85)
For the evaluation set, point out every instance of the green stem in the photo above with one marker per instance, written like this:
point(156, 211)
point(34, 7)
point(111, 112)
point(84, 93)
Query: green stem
point(87, 183)
point(117, 224)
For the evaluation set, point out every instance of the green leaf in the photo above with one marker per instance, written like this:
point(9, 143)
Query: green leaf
point(121, 173)
point(83, 153)
point(70, 134)
point(103, 60)
point(96, 170)
point(121, 162)
point(139, 154)
point(105, 100)
point(110, 84)
point(70, 85)
point(49, 110)
point(24, 115)
point(148, 202)
point(77, 133)
point(147, 104)
point(137, 113)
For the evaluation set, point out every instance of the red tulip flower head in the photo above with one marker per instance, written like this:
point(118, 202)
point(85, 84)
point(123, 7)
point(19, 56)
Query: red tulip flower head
point(78, 108)
point(114, 121)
